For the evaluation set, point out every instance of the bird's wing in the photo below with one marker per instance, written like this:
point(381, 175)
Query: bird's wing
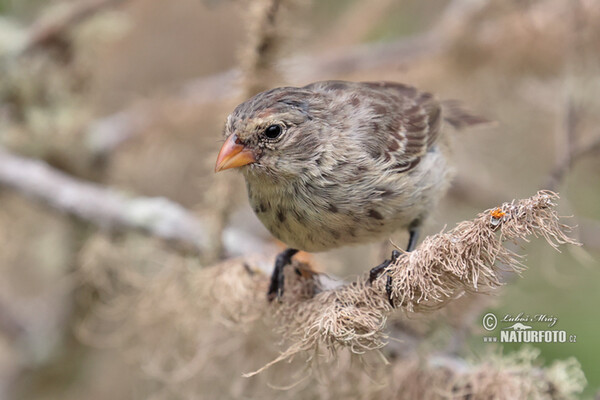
point(395, 123)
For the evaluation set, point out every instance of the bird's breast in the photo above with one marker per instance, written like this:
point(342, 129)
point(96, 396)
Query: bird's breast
point(313, 218)
point(336, 210)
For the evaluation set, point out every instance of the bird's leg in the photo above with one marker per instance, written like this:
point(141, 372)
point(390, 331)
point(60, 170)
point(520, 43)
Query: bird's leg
point(388, 282)
point(277, 279)
point(376, 271)
point(413, 231)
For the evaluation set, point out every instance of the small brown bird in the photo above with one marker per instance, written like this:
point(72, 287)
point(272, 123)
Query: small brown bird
point(339, 163)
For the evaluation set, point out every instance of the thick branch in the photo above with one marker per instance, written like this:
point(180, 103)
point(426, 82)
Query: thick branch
point(230, 332)
point(101, 206)
point(468, 258)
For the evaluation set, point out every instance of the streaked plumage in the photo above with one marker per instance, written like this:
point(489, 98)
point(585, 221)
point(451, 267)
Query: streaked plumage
point(355, 161)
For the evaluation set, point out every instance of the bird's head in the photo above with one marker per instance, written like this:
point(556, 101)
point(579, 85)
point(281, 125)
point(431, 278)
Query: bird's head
point(275, 132)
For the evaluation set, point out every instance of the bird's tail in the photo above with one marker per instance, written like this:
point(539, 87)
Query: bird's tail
point(457, 115)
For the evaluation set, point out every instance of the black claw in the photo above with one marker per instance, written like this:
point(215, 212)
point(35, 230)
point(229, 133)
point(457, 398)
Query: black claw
point(277, 278)
point(388, 290)
point(376, 271)
point(412, 242)
point(388, 283)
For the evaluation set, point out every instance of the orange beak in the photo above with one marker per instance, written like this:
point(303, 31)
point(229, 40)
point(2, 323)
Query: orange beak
point(233, 155)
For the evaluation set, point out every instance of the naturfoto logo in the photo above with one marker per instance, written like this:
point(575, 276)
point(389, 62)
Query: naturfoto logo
point(525, 328)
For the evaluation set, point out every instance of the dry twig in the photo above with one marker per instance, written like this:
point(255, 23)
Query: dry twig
point(50, 29)
point(468, 258)
point(259, 59)
point(564, 164)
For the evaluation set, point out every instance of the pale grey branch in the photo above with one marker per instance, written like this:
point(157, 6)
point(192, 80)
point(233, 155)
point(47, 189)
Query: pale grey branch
point(104, 207)
point(107, 133)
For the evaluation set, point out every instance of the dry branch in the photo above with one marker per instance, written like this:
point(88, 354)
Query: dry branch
point(51, 28)
point(106, 208)
point(107, 133)
point(571, 150)
point(564, 164)
point(469, 258)
point(265, 40)
point(224, 327)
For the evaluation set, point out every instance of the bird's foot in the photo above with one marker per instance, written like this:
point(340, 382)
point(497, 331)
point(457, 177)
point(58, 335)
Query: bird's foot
point(277, 278)
point(376, 271)
point(414, 230)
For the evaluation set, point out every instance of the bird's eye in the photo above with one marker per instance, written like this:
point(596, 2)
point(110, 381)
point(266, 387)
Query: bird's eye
point(273, 131)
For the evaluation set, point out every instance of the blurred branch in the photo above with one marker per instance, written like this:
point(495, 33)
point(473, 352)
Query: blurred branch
point(231, 331)
point(568, 152)
point(228, 302)
point(52, 28)
point(104, 207)
point(564, 164)
point(106, 133)
point(565, 140)
point(10, 325)
point(265, 40)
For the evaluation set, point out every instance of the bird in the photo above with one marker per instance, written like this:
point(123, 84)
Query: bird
point(338, 163)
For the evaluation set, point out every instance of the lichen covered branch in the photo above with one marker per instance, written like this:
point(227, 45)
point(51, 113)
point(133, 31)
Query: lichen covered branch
point(315, 321)
point(101, 206)
point(469, 258)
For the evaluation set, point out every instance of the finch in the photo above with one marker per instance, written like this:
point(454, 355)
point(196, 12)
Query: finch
point(338, 163)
